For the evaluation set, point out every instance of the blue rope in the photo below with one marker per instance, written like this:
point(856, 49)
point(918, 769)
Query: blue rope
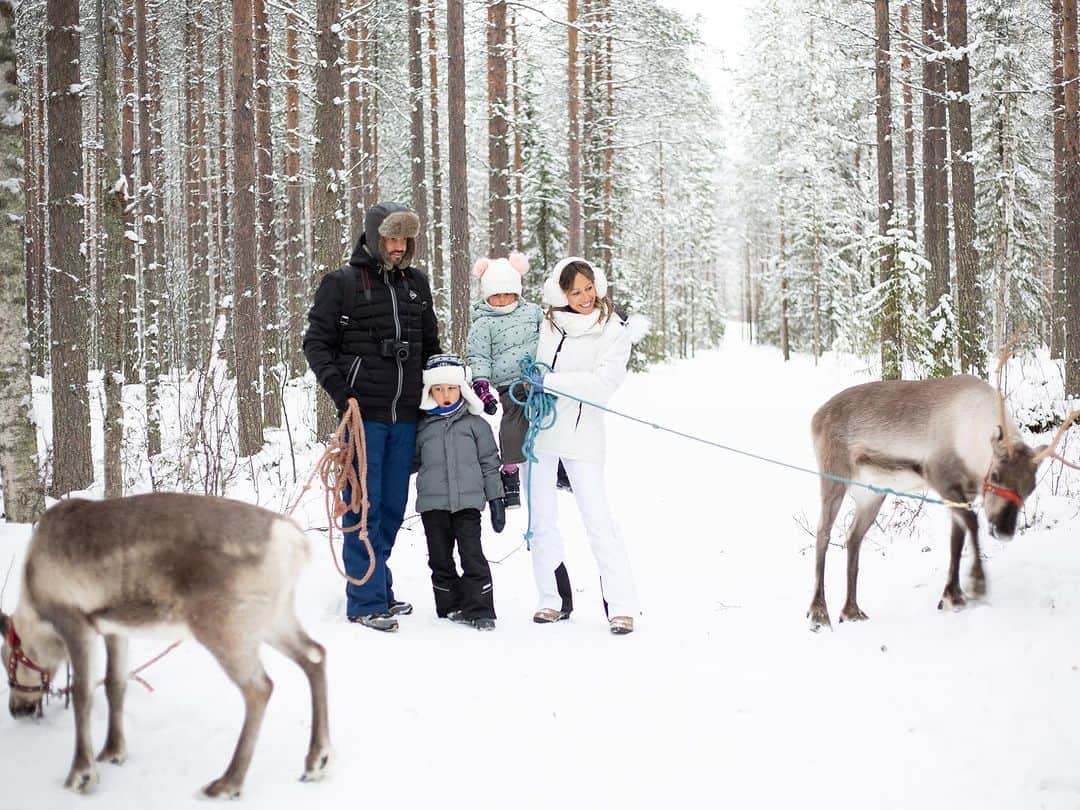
point(542, 407)
point(539, 409)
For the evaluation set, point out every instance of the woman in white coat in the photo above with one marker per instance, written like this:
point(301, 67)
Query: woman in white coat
point(586, 345)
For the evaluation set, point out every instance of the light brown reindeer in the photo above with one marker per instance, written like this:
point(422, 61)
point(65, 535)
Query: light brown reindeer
point(220, 571)
point(950, 434)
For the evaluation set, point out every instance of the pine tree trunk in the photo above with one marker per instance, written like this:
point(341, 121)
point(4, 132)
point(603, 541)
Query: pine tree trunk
point(459, 188)
point(164, 340)
point(909, 117)
point(152, 283)
point(573, 138)
point(114, 193)
point(438, 281)
point(968, 298)
point(890, 310)
point(70, 315)
point(418, 175)
point(609, 146)
point(200, 297)
point(498, 151)
point(662, 200)
point(1071, 77)
point(32, 235)
point(297, 281)
point(519, 215)
point(268, 266)
point(369, 66)
point(24, 498)
point(1057, 280)
point(131, 341)
point(354, 141)
point(327, 168)
point(245, 211)
point(36, 286)
point(935, 176)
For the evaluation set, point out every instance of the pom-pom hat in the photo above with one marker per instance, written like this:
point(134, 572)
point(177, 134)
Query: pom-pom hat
point(449, 369)
point(501, 275)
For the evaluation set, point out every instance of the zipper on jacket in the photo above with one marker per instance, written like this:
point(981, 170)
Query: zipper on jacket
point(354, 369)
point(555, 357)
point(578, 420)
point(397, 339)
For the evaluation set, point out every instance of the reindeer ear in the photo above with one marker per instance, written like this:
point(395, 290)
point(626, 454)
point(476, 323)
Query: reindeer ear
point(1001, 446)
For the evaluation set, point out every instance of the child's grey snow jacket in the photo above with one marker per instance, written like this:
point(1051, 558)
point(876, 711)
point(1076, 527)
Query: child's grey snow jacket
point(459, 463)
point(496, 340)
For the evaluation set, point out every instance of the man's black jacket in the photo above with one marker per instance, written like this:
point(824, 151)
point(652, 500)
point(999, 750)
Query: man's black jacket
point(390, 304)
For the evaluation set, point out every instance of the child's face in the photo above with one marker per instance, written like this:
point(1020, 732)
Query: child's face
point(502, 299)
point(445, 395)
point(582, 295)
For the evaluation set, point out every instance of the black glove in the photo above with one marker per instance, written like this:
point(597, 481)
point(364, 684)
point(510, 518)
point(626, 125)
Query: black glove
point(498, 514)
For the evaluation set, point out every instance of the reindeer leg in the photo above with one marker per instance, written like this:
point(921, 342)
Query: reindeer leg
point(976, 577)
point(866, 512)
point(78, 635)
point(115, 750)
point(240, 660)
point(310, 656)
point(953, 597)
point(832, 495)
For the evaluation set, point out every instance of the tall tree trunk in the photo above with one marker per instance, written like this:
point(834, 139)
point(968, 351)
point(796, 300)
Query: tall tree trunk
point(662, 200)
point(498, 152)
point(152, 283)
point(327, 167)
point(1071, 77)
point(609, 145)
point(369, 65)
point(573, 138)
point(459, 179)
point(888, 275)
point(32, 235)
point(268, 266)
point(935, 176)
point(131, 342)
point(297, 281)
point(354, 142)
point(37, 287)
point(909, 117)
point(416, 130)
point(968, 298)
point(245, 257)
point(114, 192)
point(164, 340)
point(24, 498)
point(203, 223)
point(519, 214)
point(1057, 282)
point(437, 278)
point(69, 305)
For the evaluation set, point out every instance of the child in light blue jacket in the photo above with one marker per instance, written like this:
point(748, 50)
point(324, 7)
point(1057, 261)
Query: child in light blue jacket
point(504, 327)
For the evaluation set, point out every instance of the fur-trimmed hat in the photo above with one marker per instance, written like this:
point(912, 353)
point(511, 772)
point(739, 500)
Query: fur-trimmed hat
point(391, 221)
point(449, 369)
point(501, 275)
point(553, 293)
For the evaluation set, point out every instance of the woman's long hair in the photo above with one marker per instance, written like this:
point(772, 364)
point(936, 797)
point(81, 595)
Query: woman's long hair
point(566, 282)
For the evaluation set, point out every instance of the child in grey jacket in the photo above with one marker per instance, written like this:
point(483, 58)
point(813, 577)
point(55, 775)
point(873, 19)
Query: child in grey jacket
point(504, 327)
point(459, 474)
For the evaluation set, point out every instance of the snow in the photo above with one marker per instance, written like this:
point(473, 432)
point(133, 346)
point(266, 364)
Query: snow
point(722, 697)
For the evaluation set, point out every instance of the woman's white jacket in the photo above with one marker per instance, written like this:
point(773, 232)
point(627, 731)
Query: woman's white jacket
point(588, 360)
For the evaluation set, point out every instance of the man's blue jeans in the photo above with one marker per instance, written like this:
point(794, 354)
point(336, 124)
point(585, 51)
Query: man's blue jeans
point(390, 450)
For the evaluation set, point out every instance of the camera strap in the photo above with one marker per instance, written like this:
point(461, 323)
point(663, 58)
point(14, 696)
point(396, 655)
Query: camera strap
point(350, 278)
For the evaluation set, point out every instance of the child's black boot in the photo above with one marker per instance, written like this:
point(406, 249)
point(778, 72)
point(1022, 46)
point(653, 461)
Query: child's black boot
point(511, 489)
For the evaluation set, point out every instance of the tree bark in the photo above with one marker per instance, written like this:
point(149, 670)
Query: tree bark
point(418, 175)
point(909, 117)
point(968, 298)
point(498, 151)
point(1057, 280)
point(1071, 77)
point(369, 66)
point(24, 498)
point(297, 281)
point(268, 266)
point(69, 305)
point(519, 214)
point(327, 168)
point(887, 275)
point(245, 258)
point(573, 138)
point(438, 282)
point(935, 176)
point(459, 188)
point(131, 342)
point(354, 142)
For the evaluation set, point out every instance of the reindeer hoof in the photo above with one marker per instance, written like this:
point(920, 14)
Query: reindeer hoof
point(222, 789)
point(316, 771)
point(977, 586)
point(81, 780)
point(116, 756)
point(819, 617)
point(952, 599)
point(852, 614)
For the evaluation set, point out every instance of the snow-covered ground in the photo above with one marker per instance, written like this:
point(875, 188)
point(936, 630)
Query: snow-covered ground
point(721, 698)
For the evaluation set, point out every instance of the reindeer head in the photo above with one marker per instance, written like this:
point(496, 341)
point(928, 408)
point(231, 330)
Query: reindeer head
point(30, 662)
point(1011, 477)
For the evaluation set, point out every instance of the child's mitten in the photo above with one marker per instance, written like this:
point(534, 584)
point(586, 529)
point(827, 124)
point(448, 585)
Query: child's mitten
point(483, 390)
point(498, 514)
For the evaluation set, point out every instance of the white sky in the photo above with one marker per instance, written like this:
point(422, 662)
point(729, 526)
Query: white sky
point(722, 33)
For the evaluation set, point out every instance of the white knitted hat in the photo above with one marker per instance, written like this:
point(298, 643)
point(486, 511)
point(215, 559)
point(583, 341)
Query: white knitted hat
point(553, 294)
point(448, 369)
point(500, 275)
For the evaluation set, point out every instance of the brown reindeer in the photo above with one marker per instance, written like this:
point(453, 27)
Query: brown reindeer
point(949, 434)
point(220, 571)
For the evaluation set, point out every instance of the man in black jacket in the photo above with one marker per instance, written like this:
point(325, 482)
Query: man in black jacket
point(373, 349)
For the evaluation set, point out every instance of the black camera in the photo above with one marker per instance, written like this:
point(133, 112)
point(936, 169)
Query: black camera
point(395, 348)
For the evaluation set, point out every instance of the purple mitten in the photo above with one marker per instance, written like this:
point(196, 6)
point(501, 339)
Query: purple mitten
point(483, 390)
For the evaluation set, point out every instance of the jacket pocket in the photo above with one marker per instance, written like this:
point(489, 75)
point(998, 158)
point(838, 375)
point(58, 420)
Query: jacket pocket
point(349, 366)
